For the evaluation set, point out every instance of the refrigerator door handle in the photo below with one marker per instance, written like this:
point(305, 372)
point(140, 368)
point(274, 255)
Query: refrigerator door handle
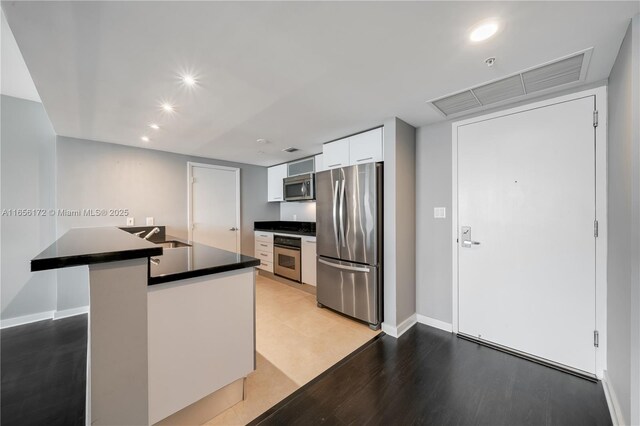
point(335, 206)
point(348, 268)
point(342, 214)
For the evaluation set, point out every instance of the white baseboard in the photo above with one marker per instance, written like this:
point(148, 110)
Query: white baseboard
point(401, 328)
point(423, 319)
point(26, 319)
point(65, 313)
point(612, 401)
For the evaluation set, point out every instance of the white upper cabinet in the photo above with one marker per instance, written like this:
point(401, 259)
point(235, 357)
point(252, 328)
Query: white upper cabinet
point(301, 167)
point(336, 154)
point(366, 147)
point(362, 148)
point(320, 163)
point(275, 176)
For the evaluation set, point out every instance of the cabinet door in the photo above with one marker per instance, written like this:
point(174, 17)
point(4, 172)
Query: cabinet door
point(336, 154)
point(275, 175)
point(309, 260)
point(301, 167)
point(366, 147)
point(319, 163)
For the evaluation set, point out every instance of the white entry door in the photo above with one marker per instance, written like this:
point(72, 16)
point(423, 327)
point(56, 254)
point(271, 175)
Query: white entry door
point(526, 249)
point(214, 213)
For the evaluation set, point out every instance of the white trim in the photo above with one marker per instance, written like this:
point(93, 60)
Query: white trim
point(435, 323)
point(65, 313)
point(600, 94)
point(401, 328)
point(617, 418)
point(26, 319)
point(190, 166)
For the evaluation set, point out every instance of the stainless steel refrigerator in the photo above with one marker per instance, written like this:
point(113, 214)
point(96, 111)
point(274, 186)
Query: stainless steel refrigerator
point(349, 241)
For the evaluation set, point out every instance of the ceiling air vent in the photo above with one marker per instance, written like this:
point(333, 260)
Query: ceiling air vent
point(290, 149)
point(571, 69)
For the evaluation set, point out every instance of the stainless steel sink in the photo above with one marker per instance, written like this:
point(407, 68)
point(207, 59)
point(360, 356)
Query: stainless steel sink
point(173, 244)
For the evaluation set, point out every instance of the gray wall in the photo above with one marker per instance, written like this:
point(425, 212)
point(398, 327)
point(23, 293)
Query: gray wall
point(27, 155)
point(433, 250)
point(623, 280)
point(399, 222)
point(93, 174)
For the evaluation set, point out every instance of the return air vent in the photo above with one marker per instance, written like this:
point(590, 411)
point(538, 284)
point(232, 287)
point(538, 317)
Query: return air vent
point(567, 70)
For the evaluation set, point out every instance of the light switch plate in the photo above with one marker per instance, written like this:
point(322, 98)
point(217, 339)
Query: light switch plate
point(150, 221)
point(131, 221)
point(439, 212)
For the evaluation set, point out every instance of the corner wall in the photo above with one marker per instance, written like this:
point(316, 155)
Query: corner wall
point(399, 220)
point(623, 275)
point(27, 155)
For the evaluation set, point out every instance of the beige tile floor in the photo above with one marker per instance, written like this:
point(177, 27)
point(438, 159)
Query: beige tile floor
point(296, 341)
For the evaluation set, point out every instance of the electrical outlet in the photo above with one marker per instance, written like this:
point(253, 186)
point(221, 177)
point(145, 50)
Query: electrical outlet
point(131, 221)
point(150, 221)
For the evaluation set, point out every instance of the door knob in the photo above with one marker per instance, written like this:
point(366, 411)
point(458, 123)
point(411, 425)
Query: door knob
point(466, 237)
point(233, 229)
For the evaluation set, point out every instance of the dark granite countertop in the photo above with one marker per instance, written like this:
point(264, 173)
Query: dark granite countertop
point(187, 262)
point(286, 227)
point(85, 246)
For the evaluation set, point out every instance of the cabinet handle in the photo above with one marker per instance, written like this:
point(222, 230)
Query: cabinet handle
point(264, 245)
point(333, 165)
point(364, 159)
point(277, 198)
point(263, 255)
point(310, 242)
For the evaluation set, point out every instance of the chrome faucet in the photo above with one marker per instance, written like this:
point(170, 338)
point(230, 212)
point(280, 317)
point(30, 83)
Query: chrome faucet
point(138, 234)
point(153, 231)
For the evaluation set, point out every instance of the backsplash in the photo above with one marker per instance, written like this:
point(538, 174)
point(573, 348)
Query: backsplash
point(301, 211)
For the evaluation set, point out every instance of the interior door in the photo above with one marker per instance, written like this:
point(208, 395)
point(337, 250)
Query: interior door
point(526, 249)
point(215, 206)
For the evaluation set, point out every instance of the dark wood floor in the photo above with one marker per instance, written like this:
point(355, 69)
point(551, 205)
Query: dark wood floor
point(430, 377)
point(425, 377)
point(44, 372)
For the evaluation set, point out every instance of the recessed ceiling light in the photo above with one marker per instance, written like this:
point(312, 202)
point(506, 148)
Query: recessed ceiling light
point(484, 31)
point(154, 126)
point(167, 107)
point(188, 80)
point(145, 139)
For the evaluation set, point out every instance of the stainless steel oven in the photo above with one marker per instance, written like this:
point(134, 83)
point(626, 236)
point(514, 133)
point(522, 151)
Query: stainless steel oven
point(300, 188)
point(286, 253)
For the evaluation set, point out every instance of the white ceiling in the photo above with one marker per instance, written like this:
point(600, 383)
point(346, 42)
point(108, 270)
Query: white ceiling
point(14, 76)
point(295, 73)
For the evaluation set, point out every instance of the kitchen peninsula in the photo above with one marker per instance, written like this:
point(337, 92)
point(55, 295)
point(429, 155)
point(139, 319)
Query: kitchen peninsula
point(171, 330)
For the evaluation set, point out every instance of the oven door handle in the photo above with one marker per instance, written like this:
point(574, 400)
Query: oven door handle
point(287, 247)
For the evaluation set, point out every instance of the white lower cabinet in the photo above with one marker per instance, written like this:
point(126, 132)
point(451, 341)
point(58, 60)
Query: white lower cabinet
point(264, 250)
point(309, 260)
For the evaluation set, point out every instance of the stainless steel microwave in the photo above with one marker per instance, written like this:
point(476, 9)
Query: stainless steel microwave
point(300, 188)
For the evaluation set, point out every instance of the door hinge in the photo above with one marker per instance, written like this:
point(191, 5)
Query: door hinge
point(596, 338)
point(595, 228)
point(193, 180)
point(595, 118)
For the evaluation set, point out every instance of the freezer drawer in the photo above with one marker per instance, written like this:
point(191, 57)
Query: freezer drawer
point(350, 288)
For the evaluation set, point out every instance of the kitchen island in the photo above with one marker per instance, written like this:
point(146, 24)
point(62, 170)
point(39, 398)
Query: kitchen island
point(171, 330)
